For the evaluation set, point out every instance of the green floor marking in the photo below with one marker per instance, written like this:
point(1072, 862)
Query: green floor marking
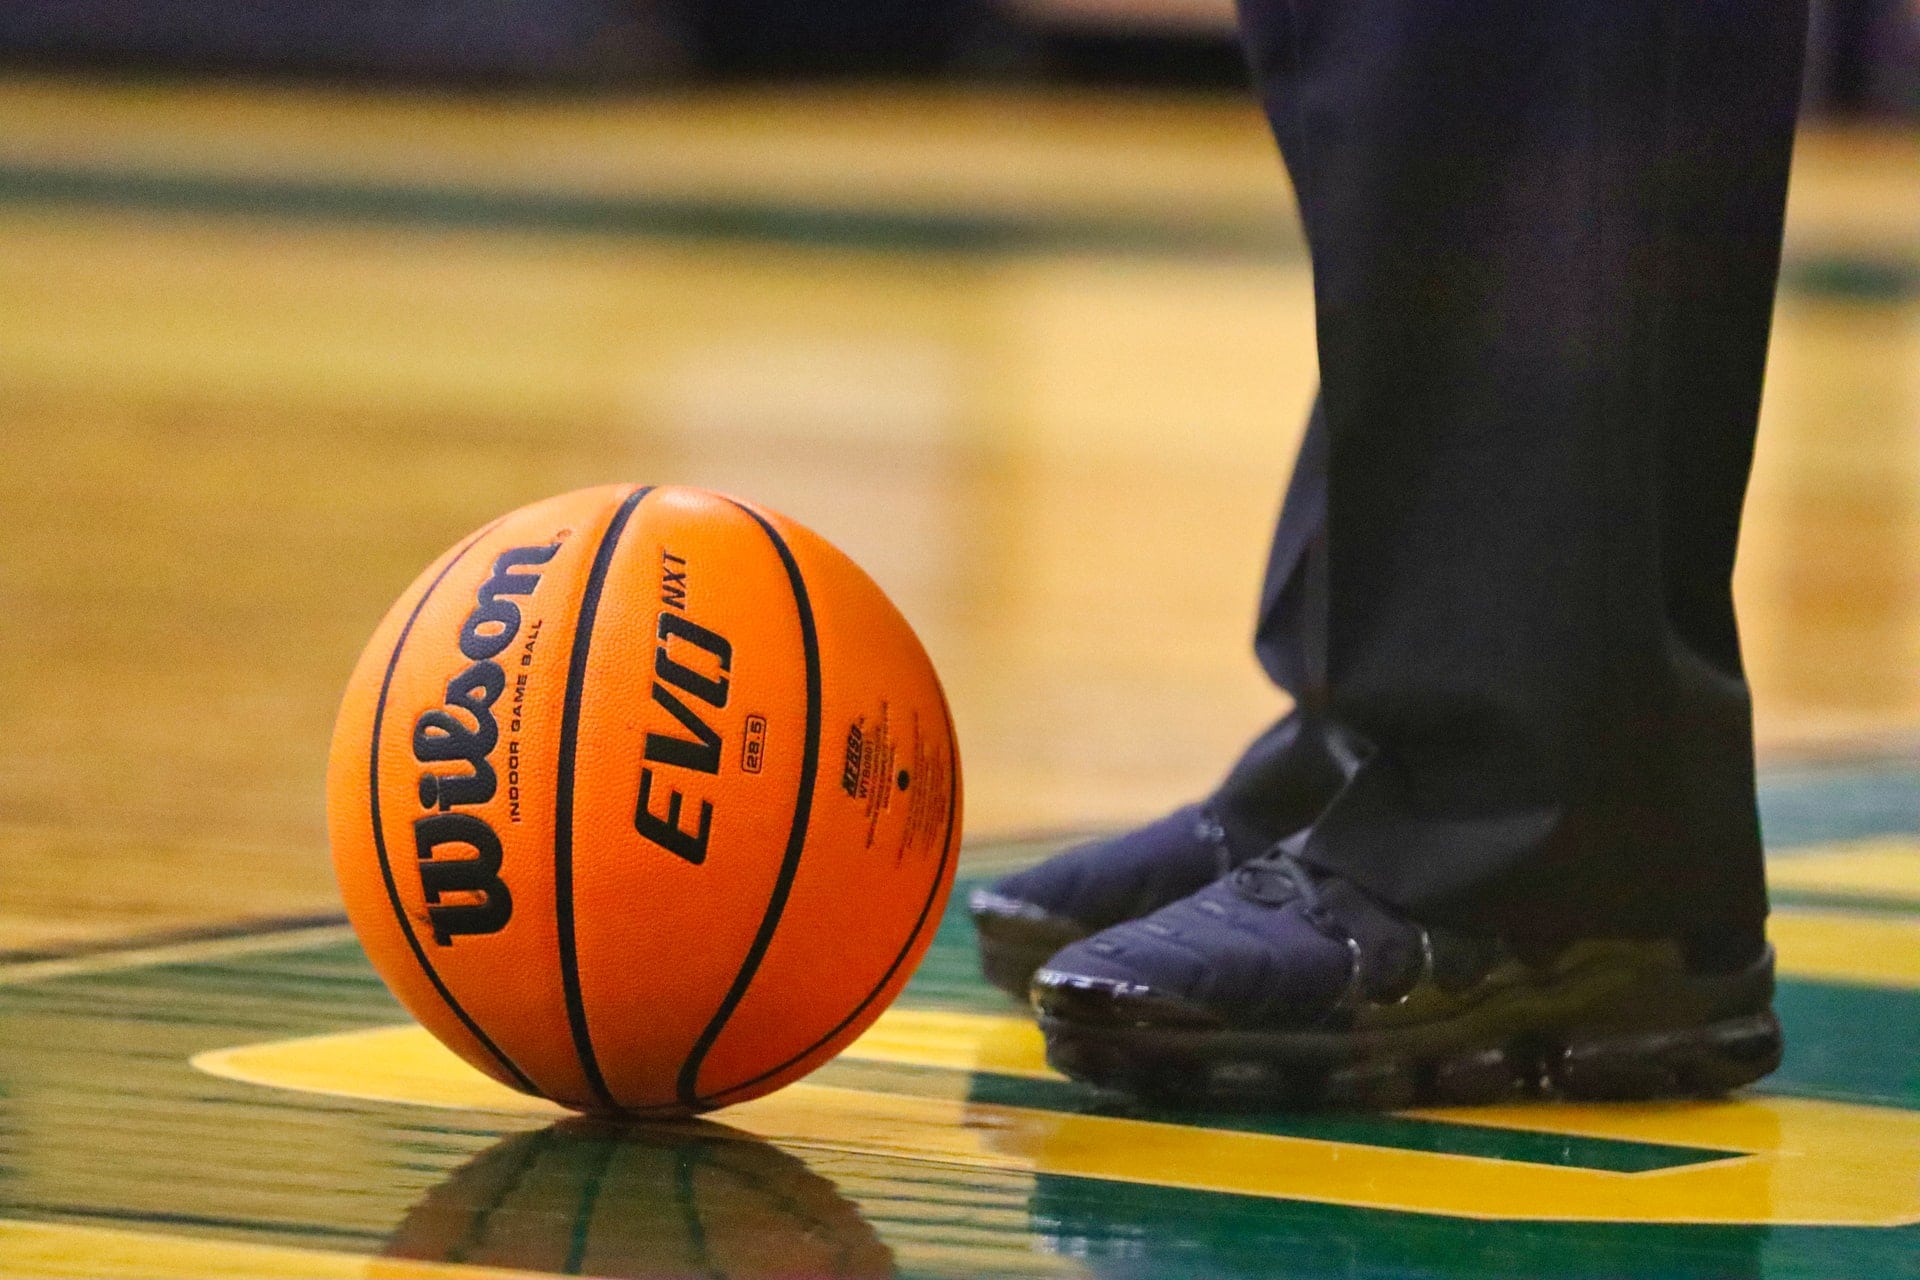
point(1820, 804)
point(1864, 904)
point(1404, 1133)
point(1863, 277)
point(102, 1122)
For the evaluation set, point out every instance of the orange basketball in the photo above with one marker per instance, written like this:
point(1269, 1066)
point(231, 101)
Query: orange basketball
point(644, 800)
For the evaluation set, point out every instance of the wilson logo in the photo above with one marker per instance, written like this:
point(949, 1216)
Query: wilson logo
point(459, 853)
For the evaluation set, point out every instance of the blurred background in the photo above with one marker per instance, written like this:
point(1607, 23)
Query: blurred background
point(1005, 296)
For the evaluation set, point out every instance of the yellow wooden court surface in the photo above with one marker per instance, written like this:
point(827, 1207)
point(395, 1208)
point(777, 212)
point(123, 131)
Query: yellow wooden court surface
point(1039, 361)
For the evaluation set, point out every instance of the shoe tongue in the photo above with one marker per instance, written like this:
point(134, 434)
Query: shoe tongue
point(1240, 841)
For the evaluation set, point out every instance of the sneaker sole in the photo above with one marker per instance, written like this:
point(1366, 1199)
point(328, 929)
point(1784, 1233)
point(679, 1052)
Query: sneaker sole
point(1522, 1047)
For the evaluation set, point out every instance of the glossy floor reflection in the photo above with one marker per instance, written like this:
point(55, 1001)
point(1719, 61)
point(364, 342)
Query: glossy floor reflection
point(1038, 362)
point(580, 1198)
point(257, 1107)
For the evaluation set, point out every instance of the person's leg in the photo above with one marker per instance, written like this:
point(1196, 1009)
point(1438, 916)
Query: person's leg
point(1545, 238)
point(1280, 783)
point(1290, 635)
point(1545, 235)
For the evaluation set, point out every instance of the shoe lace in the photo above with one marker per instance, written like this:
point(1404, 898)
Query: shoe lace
point(1276, 878)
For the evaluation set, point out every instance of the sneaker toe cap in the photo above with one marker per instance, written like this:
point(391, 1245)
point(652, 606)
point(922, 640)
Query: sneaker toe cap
point(1101, 882)
point(1197, 963)
point(1107, 1000)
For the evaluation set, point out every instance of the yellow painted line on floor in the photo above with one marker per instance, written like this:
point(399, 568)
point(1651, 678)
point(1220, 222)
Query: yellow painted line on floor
point(50, 1249)
point(1805, 1161)
point(403, 1064)
point(1005, 1044)
point(1839, 946)
point(1887, 867)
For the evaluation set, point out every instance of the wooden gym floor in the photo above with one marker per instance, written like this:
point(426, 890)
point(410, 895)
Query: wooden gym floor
point(1039, 361)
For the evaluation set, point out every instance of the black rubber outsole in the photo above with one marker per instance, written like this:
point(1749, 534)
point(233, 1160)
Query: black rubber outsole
point(1201, 1070)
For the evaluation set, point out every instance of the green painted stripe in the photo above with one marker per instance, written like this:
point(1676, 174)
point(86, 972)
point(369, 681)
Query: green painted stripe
point(1403, 1133)
point(1131, 1230)
point(1820, 804)
point(1853, 278)
point(1873, 277)
point(1849, 1043)
point(1866, 904)
point(556, 212)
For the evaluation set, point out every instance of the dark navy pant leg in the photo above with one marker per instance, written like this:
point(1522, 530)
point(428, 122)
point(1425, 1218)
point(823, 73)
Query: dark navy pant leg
point(1545, 235)
point(1290, 637)
point(1288, 774)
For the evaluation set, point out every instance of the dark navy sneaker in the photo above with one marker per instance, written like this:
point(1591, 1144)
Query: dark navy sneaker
point(1279, 986)
point(1024, 918)
point(1279, 785)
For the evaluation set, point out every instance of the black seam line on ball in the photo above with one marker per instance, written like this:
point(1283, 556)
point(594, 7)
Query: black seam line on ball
point(913, 935)
point(688, 1084)
point(563, 794)
point(380, 839)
